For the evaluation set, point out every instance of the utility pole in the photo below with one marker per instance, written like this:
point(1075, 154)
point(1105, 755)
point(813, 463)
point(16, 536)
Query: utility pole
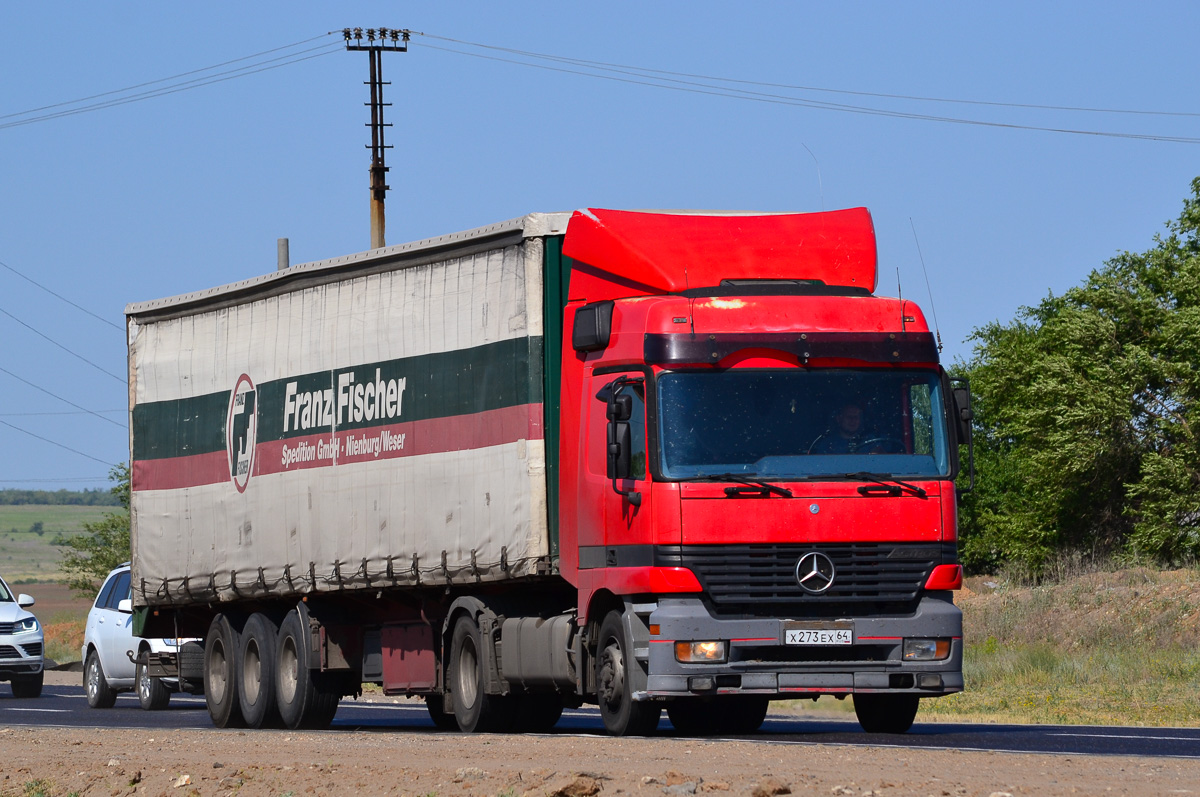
point(377, 41)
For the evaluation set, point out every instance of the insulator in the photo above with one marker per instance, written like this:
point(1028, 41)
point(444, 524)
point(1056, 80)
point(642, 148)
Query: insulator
point(346, 34)
point(358, 33)
point(370, 34)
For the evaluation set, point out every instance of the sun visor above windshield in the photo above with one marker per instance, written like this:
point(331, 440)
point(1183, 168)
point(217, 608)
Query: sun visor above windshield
point(625, 253)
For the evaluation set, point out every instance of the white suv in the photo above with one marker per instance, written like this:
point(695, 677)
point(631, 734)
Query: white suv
point(114, 660)
point(20, 644)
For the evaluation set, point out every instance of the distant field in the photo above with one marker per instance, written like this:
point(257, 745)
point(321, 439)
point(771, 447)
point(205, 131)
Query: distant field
point(26, 554)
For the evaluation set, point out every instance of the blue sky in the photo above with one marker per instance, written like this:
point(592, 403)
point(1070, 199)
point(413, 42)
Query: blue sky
point(191, 190)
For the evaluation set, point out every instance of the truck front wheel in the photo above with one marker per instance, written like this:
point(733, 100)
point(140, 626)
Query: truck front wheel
point(621, 714)
point(474, 709)
point(305, 699)
point(256, 655)
point(220, 673)
point(883, 713)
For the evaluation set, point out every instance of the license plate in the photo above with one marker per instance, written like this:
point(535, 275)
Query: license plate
point(816, 635)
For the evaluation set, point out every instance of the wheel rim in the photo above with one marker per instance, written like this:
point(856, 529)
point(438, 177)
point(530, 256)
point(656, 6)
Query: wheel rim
point(218, 671)
point(251, 672)
point(611, 677)
point(468, 673)
point(289, 670)
point(93, 679)
point(143, 684)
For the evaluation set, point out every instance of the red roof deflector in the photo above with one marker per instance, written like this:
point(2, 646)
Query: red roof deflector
point(622, 253)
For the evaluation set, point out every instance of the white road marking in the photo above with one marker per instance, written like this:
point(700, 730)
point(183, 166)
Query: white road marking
point(44, 710)
point(1130, 736)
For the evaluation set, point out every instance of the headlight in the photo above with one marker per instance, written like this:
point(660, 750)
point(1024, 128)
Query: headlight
point(926, 649)
point(695, 652)
point(27, 624)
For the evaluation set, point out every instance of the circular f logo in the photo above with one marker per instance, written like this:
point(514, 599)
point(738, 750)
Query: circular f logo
point(241, 431)
point(814, 572)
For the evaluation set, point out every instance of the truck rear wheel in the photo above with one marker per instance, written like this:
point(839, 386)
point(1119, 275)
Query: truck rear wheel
point(220, 673)
point(256, 657)
point(474, 709)
point(153, 695)
point(883, 713)
point(305, 698)
point(621, 714)
point(436, 705)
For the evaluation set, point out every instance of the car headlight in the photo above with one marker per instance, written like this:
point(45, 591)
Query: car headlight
point(27, 624)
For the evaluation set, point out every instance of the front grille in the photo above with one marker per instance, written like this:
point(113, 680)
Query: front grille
point(9, 652)
point(760, 580)
point(33, 649)
point(8, 628)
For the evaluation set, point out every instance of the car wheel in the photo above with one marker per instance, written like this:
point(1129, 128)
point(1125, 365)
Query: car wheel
point(28, 685)
point(99, 693)
point(153, 694)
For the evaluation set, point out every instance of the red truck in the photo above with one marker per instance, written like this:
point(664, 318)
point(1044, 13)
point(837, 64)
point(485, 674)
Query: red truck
point(674, 460)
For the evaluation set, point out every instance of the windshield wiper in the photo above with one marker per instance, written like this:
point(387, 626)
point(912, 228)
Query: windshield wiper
point(895, 486)
point(759, 486)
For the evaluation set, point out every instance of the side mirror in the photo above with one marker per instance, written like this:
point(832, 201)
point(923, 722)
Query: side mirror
point(125, 606)
point(619, 409)
point(960, 399)
point(964, 413)
point(24, 601)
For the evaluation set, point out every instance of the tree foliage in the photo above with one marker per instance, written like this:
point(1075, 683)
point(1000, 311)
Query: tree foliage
point(88, 558)
point(1087, 415)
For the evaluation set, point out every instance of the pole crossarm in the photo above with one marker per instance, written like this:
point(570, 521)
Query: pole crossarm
point(377, 42)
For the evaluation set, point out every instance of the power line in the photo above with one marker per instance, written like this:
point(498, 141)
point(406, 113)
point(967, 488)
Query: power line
point(220, 77)
point(779, 99)
point(59, 296)
point(53, 443)
point(612, 66)
point(163, 80)
point(80, 479)
point(60, 398)
point(64, 412)
point(74, 354)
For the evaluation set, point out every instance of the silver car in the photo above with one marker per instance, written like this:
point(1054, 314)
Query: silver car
point(114, 660)
point(21, 661)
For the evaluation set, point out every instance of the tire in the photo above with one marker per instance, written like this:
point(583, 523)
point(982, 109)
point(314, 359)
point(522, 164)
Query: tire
point(28, 685)
point(437, 712)
point(693, 716)
point(257, 668)
point(475, 711)
point(537, 713)
point(886, 713)
point(621, 714)
point(152, 692)
point(305, 698)
point(99, 693)
point(743, 713)
point(221, 673)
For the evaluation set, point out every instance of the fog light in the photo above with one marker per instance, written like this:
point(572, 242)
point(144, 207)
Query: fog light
point(926, 649)
point(692, 652)
point(702, 683)
point(929, 680)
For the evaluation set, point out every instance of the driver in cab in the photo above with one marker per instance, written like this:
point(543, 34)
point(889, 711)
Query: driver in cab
point(847, 434)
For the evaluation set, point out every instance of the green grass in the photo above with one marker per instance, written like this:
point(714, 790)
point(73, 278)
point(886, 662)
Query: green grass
point(26, 555)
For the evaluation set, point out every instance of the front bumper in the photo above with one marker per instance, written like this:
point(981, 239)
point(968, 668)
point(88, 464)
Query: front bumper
point(21, 654)
point(760, 663)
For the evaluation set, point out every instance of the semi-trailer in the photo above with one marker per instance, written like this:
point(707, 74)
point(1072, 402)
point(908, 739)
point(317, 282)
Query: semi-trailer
point(647, 460)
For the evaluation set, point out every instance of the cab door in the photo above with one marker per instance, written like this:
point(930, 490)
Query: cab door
point(628, 530)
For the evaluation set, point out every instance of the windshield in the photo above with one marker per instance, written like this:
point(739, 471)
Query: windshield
point(802, 423)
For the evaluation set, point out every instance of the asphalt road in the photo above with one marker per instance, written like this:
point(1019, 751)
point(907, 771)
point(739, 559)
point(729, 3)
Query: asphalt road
point(65, 706)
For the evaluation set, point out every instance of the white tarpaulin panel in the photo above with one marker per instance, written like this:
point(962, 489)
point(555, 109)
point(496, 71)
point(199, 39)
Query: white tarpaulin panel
point(375, 430)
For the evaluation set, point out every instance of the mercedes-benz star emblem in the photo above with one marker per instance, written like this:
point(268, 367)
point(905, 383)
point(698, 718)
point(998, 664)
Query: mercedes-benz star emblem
point(815, 572)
